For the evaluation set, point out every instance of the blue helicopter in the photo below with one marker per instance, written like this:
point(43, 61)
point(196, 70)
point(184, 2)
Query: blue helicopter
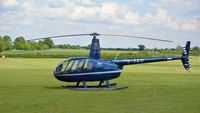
point(96, 69)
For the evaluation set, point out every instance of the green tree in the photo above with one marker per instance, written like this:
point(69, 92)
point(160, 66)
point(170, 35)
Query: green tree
point(42, 45)
point(88, 46)
point(195, 51)
point(28, 46)
point(45, 46)
point(48, 42)
point(141, 47)
point(179, 48)
point(7, 41)
point(196, 48)
point(34, 45)
point(2, 45)
point(20, 43)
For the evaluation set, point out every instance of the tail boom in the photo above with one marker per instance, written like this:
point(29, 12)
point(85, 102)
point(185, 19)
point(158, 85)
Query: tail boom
point(184, 58)
point(143, 60)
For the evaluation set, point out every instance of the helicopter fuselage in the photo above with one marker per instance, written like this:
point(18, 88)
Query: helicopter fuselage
point(86, 69)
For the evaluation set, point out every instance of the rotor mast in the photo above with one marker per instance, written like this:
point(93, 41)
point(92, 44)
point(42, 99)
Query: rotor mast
point(95, 52)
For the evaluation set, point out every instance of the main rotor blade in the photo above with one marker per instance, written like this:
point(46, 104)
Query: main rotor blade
point(139, 37)
point(96, 34)
point(59, 36)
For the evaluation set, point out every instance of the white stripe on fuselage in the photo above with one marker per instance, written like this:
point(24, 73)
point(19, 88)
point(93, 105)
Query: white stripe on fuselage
point(92, 73)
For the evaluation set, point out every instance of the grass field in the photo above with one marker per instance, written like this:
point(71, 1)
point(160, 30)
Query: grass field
point(28, 85)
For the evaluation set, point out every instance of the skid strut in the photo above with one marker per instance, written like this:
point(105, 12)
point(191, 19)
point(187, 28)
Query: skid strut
point(100, 83)
point(84, 84)
point(100, 87)
point(108, 83)
point(77, 84)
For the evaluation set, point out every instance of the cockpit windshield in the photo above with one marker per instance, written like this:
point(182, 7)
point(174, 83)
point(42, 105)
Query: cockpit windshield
point(84, 65)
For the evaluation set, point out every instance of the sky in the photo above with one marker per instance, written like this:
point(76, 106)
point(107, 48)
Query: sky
point(176, 20)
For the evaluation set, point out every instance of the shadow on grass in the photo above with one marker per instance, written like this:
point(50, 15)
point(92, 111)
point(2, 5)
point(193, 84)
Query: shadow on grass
point(54, 87)
point(74, 86)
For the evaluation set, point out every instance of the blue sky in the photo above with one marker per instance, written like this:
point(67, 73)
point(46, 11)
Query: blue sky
point(176, 20)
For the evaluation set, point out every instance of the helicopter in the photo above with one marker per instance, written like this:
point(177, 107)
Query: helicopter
point(93, 68)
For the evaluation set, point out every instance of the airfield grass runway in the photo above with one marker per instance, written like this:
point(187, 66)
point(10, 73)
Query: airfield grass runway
point(28, 85)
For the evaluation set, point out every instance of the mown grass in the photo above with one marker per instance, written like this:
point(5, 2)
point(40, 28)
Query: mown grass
point(28, 85)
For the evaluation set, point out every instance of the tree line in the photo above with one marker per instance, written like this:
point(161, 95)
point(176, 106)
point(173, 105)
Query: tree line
point(20, 43)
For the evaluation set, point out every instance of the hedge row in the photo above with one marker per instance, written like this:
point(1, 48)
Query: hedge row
point(104, 55)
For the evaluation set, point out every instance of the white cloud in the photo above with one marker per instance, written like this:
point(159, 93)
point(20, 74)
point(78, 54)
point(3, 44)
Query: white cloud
point(160, 18)
point(94, 11)
point(191, 25)
point(8, 3)
point(86, 13)
point(29, 6)
point(178, 6)
point(106, 11)
point(98, 15)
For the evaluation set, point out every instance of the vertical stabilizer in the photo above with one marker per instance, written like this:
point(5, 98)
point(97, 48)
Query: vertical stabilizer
point(185, 56)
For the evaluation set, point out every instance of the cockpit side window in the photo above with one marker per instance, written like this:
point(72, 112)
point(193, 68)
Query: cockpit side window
point(88, 65)
point(74, 66)
point(68, 67)
point(59, 68)
point(64, 65)
point(77, 66)
point(85, 65)
point(80, 65)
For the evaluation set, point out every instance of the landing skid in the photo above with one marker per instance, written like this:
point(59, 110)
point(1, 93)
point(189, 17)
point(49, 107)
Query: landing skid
point(100, 87)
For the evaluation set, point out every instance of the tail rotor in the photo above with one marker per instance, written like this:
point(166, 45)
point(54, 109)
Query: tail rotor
point(185, 56)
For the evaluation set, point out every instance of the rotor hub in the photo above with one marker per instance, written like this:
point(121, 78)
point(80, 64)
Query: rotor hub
point(94, 34)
